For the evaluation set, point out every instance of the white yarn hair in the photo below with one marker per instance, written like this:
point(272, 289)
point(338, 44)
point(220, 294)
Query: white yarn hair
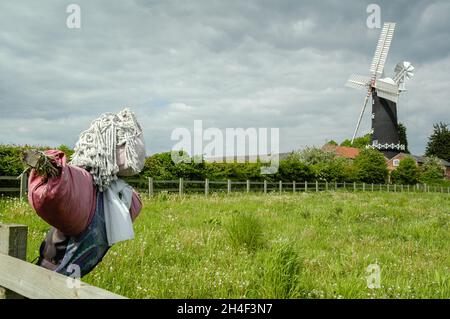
point(96, 149)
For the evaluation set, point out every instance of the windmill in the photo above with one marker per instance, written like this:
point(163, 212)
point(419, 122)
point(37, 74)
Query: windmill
point(385, 92)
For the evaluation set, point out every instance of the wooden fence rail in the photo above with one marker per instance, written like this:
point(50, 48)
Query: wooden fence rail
point(20, 279)
point(22, 180)
point(207, 186)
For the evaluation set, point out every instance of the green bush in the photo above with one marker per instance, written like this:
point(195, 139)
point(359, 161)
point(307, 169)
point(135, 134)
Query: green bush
point(432, 171)
point(371, 166)
point(406, 173)
point(359, 142)
point(293, 169)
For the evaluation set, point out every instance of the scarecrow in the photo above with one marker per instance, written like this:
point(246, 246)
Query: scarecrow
point(88, 205)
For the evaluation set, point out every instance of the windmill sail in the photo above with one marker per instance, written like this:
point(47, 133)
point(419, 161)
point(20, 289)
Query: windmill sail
point(382, 50)
point(357, 81)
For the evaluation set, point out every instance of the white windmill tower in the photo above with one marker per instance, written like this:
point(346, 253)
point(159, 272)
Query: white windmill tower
point(385, 92)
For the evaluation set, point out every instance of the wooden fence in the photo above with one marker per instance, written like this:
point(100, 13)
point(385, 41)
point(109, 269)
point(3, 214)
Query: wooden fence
point(206, 186)
point(21, 180)
point(182, 186)
point(20, 279)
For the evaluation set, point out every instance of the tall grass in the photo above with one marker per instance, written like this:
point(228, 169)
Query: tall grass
point(245, 231)
point(281, 246)
point(279, 273)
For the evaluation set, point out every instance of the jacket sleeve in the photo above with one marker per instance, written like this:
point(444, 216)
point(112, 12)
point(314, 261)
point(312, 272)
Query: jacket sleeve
point(136, 205)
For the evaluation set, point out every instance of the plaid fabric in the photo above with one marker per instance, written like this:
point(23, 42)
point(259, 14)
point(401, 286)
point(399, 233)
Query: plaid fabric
point(59, 252)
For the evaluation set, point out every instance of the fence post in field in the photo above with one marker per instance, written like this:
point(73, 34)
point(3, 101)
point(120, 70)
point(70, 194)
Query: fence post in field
point(395, 187)
point(401, 187)
point(372, 187)
point(150, 186)
point(13, 242)
point(206, 187)
point(354, 186)
point(317, 186)
point(306, 186)
point(387, 187)
point(229, 186)
point(281, 187)
point(408, 188)
point(23, 184)
point(344, 186)
point(326, 185)
point(335, 185)
point(293, 186)
point(442, 190)
point(180, 187)
point(248, 186)
point(265, 186)
point(364, 187)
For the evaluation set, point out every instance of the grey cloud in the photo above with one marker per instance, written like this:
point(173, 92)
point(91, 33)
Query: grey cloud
point(230, 63)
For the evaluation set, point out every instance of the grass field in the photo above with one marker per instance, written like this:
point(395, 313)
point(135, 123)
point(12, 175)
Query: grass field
point(303, 245)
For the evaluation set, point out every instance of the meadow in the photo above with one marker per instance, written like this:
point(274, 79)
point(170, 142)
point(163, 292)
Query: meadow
point(303, 245)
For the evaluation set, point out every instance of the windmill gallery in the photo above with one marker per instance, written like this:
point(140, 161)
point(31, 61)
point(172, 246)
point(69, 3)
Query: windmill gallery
point(385, 92)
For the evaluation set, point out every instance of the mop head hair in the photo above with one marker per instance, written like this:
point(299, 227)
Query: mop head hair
point(97, 149)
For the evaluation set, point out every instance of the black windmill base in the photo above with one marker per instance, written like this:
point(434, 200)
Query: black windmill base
point(385, 136)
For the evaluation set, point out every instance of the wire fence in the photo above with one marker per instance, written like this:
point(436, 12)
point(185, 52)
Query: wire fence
point(182, 186)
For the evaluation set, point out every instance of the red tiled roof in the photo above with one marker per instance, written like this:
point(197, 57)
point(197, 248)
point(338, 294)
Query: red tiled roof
point(347, 152)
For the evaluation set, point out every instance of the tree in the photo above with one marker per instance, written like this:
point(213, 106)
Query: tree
point(402, 136)
point(332, 142)
point(431, 171)
point(293, 169)
point(439, 142)
point(314, 155)
point(371, 166)
point(406, 173)
point(359, 142)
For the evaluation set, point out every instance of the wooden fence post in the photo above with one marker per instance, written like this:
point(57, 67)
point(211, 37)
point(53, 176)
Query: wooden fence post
point(354, 186)
point(281, 187)
point(326, 185)
point(364, 187)
point(180, 187)
point(206, 187)
point(229, 186)
point(23, 184)
point(13, 242)
point(265, 186)
point(306, 186)
point(335, 185)
point(317, 186)
point(395, 187)
point(345, 188)
point(372, 187)
point(248, 186)
point(150, 186)
point(387, 187)
point(293, 186)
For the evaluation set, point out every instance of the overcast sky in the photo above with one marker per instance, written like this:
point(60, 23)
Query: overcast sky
point(229, 63)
